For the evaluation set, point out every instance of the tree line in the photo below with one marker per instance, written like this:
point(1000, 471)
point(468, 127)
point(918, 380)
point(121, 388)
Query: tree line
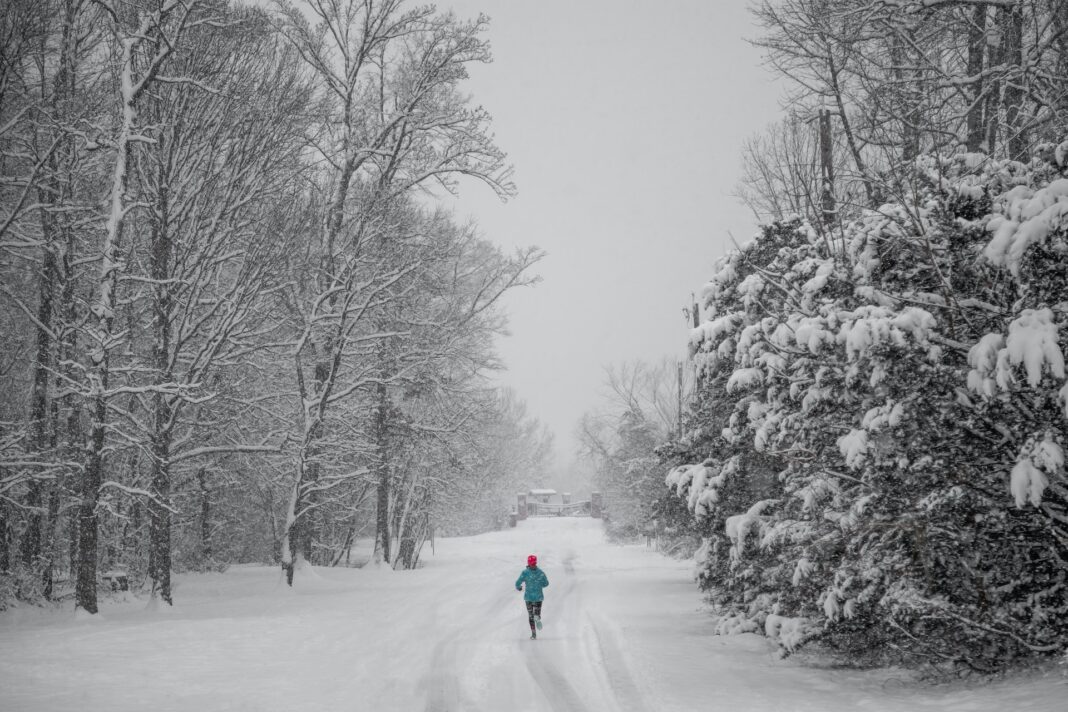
point(239, 324)
point(872, 461)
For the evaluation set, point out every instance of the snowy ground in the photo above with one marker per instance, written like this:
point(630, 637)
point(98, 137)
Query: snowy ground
point(623, 631)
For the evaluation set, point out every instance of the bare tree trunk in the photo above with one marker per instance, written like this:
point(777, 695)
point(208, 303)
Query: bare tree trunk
point(205, 516)
point(30, 546)
point(847, 129)
point(1012, 37)
point(102, 315)
point(415, 533)
point(380, 431)
point(294, 539)
point(159, 556)
point(5, 547)
point(74, 444)
point(289, 553)
point(403, 521)
point(92, 478)
point(297, 539)
point(42, 411)
point(102, 311)
point(992, 105)
point(49, 544)
point(1059, 12)
point(413, 530)
point(306, 535)
point(906, 103)
point(828, 205)
point(911, 148)
point(976, 50)
point(345, 550)
point(159, 510)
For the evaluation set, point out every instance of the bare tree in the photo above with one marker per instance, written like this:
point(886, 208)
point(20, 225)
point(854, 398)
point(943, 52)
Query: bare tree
point(644, 405)
point(911, 76)
point(401, 123)
point(225, 149)
point(447, 349)
point(781, 172)
point(145, 38)
point(268, 282)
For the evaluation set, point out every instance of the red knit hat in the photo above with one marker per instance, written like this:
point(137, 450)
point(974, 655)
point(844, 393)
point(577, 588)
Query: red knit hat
point(532, 560)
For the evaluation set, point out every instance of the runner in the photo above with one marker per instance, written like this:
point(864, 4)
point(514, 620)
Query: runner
point(535, 580)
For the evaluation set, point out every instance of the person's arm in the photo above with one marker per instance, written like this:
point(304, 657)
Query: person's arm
point(519, 581)
point(544, 580)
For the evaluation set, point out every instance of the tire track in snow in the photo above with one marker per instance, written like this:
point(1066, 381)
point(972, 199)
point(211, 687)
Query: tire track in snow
point(616, 671)
point(558, 690)
point(562, 696)
point(442, 683)
point(601, 644)
point(442, 687)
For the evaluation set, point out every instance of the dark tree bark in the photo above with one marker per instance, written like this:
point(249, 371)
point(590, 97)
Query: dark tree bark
point(159, 559)
point(159, 514)
point(380, 430)
point(30, 546)
point(5, 548)
point(53, 194)
point(205, 516)
point(1017, 134)
point(92, 478)
point(827, 200)
point(49, 543)
point(74, 432)
point(1060, 24)
point(976, 53)
point(992, 105)
point(907, 99)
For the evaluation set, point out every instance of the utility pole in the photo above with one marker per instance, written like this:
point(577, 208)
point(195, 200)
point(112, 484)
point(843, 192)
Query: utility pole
point(679, 419)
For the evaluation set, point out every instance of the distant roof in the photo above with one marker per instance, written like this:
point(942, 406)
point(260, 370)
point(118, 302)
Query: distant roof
point(543, 491)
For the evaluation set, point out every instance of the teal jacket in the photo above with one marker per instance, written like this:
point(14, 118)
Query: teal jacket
point(536, 580)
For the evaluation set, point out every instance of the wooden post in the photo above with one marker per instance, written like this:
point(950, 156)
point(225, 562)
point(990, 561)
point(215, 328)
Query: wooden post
point(595, 505)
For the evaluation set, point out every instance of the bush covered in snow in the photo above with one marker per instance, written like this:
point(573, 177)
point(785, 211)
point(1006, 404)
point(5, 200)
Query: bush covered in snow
point(877, 443)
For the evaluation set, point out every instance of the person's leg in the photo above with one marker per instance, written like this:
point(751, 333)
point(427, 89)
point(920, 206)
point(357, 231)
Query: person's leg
point(537, 613)
point(530, 615)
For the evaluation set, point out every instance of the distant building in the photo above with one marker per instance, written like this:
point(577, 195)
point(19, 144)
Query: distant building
point(543, 502)
point(544, 496)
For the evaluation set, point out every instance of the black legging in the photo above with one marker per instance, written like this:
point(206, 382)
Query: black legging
point(533, 609)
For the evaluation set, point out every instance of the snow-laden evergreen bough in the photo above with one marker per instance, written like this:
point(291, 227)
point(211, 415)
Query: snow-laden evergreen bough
point(877, 443)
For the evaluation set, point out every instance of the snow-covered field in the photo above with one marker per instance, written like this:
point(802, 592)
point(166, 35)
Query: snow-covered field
point(623, 631)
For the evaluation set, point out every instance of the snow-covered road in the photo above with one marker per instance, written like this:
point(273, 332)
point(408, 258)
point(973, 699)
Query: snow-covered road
point(623, 631)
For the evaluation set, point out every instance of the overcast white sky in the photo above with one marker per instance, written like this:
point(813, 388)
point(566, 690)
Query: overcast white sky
point(624, 119)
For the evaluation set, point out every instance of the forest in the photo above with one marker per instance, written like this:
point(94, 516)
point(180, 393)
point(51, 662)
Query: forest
point(239, 323)
point(870, 460)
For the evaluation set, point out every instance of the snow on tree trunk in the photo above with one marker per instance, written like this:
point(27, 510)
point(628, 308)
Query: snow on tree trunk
point(102, 314)
point(159, 566)
point(103, 339)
